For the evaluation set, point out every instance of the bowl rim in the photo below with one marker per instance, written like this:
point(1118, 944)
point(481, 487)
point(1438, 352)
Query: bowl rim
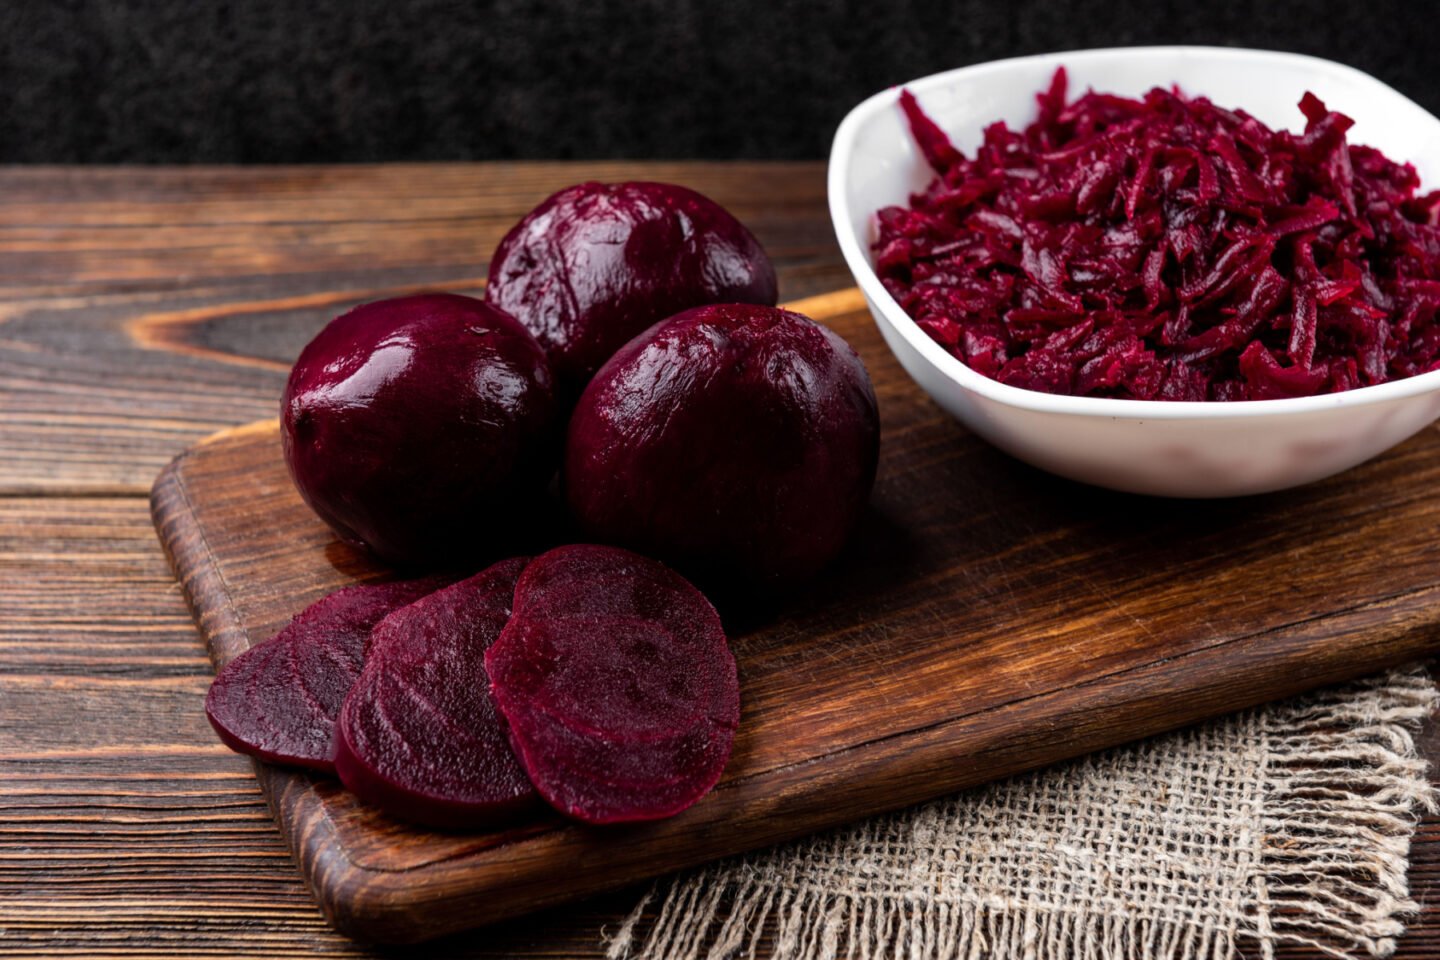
point(842, 150)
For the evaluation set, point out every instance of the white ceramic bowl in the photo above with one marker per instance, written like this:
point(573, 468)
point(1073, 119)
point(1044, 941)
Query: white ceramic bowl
point(1155, 447)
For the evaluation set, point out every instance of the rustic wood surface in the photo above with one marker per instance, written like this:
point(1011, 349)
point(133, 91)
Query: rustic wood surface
point(139, 311)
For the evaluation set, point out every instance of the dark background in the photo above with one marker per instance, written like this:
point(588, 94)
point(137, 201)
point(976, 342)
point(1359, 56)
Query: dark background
point(294, 81)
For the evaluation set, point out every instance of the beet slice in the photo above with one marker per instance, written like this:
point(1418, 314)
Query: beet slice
point(278, 700)
point(419, 736)
point(617, 683)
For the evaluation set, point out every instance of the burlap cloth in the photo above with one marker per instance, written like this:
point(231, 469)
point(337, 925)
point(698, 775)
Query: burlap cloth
point(1287, 823)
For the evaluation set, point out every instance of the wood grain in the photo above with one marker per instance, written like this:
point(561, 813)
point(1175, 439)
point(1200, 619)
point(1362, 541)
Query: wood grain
point(989, 619)
point(128, 832)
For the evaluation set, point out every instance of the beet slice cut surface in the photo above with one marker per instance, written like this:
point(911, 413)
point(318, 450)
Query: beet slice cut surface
point(618, 685)
point(278, 700)
point(419, 735)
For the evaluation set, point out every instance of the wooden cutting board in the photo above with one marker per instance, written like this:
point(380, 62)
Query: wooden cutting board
point(988, 619)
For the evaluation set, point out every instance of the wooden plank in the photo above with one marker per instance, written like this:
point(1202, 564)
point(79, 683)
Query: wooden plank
point(131, 227)
point(989, 619)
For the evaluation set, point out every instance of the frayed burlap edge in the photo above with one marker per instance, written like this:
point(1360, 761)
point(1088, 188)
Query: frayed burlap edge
point(1325, 837)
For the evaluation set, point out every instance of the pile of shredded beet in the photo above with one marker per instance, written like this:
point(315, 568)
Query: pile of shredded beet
point(1168, 249)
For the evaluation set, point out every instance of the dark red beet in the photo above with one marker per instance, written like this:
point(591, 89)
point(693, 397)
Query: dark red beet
point(596, 264)
point(411, 424)
point(1168, 249)
point(734, 440)
point(418, 736)
point(617, 683)
point(278, 700)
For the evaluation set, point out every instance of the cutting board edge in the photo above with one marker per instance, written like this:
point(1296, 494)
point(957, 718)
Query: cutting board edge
point(191, 561)
point(299, 813)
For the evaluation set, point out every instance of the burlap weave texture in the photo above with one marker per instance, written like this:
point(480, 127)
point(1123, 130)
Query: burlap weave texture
point(1290, 822)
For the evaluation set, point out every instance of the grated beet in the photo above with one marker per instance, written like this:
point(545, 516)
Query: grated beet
point(278, 700)
point(1168, 249)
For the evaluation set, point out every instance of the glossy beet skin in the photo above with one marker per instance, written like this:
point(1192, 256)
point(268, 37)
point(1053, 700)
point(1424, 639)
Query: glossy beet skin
point(734, 441)
point(617, 685)
point(596, 264)
point(410, 425)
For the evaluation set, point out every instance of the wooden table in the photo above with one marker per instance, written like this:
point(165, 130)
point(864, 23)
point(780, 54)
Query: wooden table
point(139, 311)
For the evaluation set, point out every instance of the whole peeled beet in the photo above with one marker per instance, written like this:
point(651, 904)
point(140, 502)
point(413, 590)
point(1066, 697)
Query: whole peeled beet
point(410, 425)
point(735, 441)
point(596, 264)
